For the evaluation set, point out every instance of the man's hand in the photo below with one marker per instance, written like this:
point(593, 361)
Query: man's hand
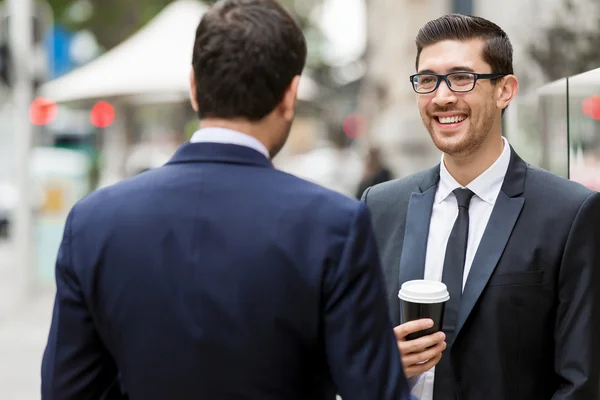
point(422, 354)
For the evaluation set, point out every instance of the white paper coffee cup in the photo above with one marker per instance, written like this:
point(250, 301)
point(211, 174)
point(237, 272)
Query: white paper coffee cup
point(421, 299)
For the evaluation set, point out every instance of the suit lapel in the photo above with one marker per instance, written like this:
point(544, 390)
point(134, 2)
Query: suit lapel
point(418, 217)
point(504, 216)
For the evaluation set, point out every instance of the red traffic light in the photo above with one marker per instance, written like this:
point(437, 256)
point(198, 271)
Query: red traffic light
point(591, 107)
point(102, 114)
point(354, 126)
point(42, 111)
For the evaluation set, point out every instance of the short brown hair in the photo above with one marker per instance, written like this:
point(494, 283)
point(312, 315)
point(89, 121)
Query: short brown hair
point(497, 52)
point(245, 56)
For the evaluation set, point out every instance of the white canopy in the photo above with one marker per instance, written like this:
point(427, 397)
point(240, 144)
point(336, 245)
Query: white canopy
point(582, 84)
point(155, 61)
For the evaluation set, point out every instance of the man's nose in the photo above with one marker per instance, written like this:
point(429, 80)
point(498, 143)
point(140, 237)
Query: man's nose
point(443, 95)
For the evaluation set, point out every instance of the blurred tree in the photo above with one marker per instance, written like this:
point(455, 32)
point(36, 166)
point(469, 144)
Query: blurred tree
point(303, 12)
point(570, 45)
point(112, 21)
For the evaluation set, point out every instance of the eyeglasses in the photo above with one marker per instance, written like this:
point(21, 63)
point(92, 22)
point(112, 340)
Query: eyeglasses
point(459, 82)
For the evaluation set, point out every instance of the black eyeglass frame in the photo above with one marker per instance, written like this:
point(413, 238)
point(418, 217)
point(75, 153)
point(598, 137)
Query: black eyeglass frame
point(444, 77)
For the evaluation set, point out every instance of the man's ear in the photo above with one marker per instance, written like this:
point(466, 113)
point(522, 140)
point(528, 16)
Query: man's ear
point(288, 103)
point(193, 98)
point(507, 89)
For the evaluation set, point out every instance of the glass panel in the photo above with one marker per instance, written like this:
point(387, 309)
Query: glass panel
point(521, 128)
point(538, 130)
point(584, 128)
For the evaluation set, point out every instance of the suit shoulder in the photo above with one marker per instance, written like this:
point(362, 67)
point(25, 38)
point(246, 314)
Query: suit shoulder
point(393, 190)
point(319, 196)
point(116, 194)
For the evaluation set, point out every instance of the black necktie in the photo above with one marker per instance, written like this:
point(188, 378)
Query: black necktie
point(454, 262)
point(452, 276)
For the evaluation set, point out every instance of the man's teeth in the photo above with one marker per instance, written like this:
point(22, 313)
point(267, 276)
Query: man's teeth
point(451, 120)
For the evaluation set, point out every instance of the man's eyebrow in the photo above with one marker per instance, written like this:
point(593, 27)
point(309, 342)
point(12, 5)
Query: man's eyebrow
point(461, 68)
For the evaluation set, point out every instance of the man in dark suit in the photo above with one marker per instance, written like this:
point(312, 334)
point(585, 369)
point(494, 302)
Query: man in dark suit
point(517, 247)
point(376, 171)
point(216, 276)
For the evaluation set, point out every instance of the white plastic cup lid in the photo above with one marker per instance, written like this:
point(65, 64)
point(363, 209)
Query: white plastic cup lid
point(424, 292)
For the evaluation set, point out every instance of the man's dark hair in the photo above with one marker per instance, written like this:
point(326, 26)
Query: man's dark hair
point(246, 54)
point(497, 52)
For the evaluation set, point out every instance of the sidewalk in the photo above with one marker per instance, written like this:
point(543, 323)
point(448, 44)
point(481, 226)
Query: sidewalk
point(23, 335)
point(24, 329)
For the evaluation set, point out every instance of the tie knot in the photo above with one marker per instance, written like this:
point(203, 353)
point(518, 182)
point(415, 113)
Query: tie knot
point(463, 197)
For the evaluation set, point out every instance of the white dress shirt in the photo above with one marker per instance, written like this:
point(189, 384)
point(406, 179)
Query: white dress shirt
point(228, 136)
point(445, 210)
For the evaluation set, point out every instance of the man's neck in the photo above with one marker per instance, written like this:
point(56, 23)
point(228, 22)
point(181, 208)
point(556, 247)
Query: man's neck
point(249, 128)
point(466, 169)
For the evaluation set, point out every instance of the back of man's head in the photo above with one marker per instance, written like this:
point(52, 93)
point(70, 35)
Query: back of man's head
point(246, 54)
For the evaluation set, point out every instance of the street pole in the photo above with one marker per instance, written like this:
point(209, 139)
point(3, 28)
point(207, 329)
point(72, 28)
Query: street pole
point(463, 7)
point(21, 48)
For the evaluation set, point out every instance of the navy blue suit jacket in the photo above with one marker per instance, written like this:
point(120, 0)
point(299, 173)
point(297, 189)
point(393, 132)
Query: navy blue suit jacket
point(218, 277)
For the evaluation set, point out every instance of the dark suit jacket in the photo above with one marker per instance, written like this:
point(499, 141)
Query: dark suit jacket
point(528, 323)
point(218, 277)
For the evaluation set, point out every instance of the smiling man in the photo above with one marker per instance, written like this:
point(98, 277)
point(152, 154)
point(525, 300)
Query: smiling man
point(517, 247)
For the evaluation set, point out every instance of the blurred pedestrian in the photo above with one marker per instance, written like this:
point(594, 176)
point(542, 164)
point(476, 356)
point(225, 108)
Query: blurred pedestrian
point(376, 171)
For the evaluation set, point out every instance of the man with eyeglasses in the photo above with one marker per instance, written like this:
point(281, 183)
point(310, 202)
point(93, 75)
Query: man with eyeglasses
point(517, 247)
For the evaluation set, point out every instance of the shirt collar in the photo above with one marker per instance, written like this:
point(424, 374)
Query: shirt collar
point(486, 186)
point(229, 136)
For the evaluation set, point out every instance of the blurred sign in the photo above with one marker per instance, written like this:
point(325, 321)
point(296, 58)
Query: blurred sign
point(58, 46)
point(60, 178)
point(54, 200)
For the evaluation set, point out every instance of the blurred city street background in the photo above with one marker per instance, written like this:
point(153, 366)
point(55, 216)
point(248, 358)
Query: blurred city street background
point(94, 91)
point(23, 334)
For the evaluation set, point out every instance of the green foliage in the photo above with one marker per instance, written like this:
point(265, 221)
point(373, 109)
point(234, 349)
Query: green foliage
point(568, 49)
point(114, 20)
